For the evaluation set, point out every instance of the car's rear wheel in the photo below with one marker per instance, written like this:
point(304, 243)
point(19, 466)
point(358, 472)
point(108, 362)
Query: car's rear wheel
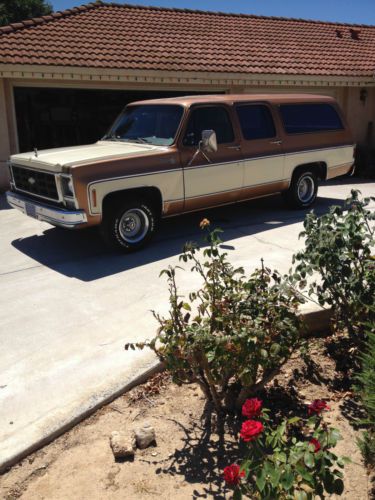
point(303, 189)
point(130, 225)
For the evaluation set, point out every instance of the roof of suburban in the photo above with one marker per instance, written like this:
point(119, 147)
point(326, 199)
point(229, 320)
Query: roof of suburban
point(124, 36)
point(230, 98)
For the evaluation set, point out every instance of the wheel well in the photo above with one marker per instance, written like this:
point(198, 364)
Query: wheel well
point(319, 167)
point(151, 194)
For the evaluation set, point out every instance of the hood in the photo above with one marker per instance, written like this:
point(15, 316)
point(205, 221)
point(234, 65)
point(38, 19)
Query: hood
point(58, 159)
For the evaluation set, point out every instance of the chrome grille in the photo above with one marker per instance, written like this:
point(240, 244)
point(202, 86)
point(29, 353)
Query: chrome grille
point(35, 182)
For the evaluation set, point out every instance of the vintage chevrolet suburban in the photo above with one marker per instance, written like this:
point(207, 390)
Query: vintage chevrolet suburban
point(166, 157)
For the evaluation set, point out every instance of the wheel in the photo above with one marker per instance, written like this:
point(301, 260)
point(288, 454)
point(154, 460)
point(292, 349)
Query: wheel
point(128, 226)
point(303, 189)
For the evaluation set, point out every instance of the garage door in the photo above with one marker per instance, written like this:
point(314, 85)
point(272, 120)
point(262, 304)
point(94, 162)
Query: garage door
point(53, 117)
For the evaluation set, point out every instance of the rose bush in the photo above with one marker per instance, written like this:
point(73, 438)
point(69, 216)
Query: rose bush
point(233, 334)
point(279, 464)
point(338, 251)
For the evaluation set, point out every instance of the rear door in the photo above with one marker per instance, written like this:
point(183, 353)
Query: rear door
point(262, 150)
point(218, 179)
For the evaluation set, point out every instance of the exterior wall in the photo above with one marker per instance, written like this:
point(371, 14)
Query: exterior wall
point(360, 113)
point(4, 136)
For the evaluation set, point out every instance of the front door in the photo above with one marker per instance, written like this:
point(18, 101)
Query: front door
point(217, 179)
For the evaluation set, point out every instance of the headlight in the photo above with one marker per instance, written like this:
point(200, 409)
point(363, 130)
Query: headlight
point(67, 185)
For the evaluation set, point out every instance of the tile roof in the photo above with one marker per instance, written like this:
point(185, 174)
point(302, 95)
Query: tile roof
point(124, 36)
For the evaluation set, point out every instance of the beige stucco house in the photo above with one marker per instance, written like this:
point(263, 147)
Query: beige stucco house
point(64, 77)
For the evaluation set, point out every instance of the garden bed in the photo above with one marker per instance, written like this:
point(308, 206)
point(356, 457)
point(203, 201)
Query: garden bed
point(189, 457)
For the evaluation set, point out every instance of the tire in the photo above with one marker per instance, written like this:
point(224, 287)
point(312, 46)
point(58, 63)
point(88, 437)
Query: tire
point(303, 189)
point(129, 226)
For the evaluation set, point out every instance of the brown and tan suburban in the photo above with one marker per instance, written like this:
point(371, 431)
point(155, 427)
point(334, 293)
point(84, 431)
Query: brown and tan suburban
point(165, 157)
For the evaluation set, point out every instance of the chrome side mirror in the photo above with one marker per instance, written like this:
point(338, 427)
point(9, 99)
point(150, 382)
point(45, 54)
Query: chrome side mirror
point(208, 143)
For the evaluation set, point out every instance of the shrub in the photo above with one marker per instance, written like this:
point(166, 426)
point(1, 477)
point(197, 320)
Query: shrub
point(233, 334)
point(280, 465)
point(338, 248)
point(366, 382)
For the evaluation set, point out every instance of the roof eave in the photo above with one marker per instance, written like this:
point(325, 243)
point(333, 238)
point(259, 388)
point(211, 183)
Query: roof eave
point(180, 78)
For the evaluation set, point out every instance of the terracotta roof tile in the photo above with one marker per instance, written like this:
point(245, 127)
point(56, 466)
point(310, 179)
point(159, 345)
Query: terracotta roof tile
point(106, 35)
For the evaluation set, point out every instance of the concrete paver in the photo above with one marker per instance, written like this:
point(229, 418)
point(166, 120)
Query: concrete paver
point(67, 305)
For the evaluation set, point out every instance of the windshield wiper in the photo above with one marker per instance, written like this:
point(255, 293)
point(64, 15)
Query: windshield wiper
point(111, 138)
point(139, 140)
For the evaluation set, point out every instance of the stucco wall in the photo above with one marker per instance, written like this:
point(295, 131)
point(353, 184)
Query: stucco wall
point(360, 113)
point(4, 137)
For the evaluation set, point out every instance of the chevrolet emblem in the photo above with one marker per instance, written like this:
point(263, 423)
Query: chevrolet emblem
point(31, 180)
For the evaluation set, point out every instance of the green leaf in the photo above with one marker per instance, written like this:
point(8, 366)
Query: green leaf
point(308, 458)
point(275, 477)
point(293, 420)
point(264, 353)
point(261, 480)
point(186, 306)
point(287, 479)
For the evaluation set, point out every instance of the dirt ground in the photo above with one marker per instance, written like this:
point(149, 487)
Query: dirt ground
point(188, 459)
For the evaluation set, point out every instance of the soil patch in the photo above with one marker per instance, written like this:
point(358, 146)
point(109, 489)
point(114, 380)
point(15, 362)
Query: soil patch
point(189, 457)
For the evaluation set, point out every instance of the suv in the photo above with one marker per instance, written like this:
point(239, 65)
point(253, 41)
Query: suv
point(166, 157)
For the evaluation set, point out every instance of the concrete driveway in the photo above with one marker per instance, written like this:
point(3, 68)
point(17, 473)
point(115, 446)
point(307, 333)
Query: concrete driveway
point(67, 305)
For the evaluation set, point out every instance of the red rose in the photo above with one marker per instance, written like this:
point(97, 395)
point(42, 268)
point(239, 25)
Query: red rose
point(317, 406)
point(315, 443)
point(233, 474)
point(250, 430)
point(252, 408)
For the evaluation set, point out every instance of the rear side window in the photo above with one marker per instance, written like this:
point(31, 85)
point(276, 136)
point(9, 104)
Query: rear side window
point(256, 122)
point(306, 118)
point(209, 118)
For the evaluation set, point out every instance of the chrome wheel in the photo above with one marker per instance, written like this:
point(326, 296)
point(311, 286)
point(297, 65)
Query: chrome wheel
point(133, 225)
point(306, 188)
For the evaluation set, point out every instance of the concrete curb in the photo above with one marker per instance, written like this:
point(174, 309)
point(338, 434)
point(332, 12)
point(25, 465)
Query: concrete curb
point(316, 319)
point(81, 414)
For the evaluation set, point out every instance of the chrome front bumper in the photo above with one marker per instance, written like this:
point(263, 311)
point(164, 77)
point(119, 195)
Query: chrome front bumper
point(48, 213)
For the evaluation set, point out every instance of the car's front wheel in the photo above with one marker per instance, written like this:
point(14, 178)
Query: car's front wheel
point(130, 225)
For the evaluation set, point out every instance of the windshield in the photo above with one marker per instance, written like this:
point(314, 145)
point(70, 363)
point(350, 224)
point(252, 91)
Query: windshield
point(148, 124)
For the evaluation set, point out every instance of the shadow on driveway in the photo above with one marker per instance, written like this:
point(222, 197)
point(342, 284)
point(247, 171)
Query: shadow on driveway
point(82, 254)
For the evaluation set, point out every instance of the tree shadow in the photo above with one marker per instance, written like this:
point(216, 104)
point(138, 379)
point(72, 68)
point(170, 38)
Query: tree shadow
point(354, 412)
point(205, 453)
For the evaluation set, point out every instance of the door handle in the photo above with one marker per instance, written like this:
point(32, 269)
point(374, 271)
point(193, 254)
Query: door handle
point(237, 147)
point(279, 142)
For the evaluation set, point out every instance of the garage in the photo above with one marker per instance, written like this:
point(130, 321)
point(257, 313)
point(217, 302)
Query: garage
point(57, 117)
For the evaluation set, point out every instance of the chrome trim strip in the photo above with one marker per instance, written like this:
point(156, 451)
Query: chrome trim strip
point(341, 165)
point(237, 189)
point(47, 213)
point(251, 158)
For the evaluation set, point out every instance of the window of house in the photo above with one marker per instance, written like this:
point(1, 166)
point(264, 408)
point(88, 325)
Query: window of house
point(256, 122)
point(307, 118)
point(209, 118)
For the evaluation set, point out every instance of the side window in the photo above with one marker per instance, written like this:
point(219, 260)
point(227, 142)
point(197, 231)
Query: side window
point(307, 118)
point(209, 118)
point(256, 122)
